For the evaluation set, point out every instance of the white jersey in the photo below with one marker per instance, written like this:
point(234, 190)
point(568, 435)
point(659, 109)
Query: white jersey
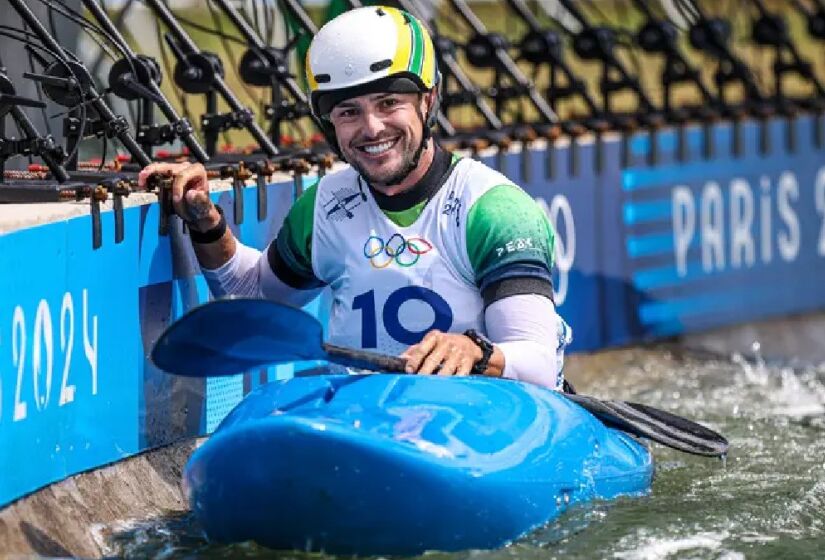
point(392, 284)
point(394, 276)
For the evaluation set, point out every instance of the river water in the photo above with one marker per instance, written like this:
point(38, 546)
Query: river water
point(767, 500)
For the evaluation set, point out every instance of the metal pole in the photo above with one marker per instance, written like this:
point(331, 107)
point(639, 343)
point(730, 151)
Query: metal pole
point(218, 83)
point(95, 99)
point(182, 127)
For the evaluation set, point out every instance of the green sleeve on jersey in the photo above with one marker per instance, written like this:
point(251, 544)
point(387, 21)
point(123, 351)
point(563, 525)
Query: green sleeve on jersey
point(506, 226)
point(295, 237)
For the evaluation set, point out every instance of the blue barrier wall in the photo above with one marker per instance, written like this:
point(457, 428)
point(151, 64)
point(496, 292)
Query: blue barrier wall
point(644, 249)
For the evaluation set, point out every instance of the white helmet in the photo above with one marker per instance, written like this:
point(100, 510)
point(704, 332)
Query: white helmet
point(369, 50)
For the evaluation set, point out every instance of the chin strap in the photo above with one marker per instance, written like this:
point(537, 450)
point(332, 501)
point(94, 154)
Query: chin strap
point(426, 133)
point(425, 136)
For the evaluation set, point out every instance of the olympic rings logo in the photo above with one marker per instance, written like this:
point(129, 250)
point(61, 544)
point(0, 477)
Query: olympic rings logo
point(405, 252)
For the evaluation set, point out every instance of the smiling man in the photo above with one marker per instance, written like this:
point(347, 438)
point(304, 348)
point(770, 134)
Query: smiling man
point(436, 258)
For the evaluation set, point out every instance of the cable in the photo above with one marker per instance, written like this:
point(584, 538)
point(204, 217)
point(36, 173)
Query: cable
point(5, 30)
point(44, 114)
point(208, 30)
point(90, 28)
point(257, 99)
point(85, 24)
point(167, 69)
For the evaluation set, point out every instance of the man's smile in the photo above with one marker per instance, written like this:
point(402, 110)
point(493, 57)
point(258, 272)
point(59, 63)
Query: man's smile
point(378, 148)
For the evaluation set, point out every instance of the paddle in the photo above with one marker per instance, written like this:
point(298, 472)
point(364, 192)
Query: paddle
point(228, 336)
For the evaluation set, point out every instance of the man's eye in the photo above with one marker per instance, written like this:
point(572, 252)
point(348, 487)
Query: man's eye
point(345, 114)
point(390, 102)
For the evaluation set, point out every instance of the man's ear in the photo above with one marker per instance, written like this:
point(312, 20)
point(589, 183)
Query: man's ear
point(429, 99)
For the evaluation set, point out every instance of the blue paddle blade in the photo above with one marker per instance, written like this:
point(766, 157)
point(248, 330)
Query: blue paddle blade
point(230, 336)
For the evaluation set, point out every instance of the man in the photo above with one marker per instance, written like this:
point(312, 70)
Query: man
point(436, 258)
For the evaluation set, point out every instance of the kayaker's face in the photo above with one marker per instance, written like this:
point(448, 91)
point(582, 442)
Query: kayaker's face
point(379, 134)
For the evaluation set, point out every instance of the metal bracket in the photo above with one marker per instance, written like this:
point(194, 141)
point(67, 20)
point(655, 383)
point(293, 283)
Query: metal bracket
point(120, 190)
point(97, 194)
point(263, 173)
point(162, 185)
point(299, 168)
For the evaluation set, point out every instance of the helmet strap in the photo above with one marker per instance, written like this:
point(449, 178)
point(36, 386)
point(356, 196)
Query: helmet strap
point(425, 136)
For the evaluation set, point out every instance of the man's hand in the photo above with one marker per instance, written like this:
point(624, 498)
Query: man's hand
point(444, 353)
point(190, 192)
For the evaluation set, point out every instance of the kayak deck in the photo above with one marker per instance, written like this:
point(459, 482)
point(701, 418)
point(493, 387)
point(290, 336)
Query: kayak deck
point(396, 464)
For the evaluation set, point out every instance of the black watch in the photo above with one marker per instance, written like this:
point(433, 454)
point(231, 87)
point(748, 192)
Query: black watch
point(486, 351)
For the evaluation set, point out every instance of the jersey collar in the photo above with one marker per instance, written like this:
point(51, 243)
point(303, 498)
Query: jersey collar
point(429, 184)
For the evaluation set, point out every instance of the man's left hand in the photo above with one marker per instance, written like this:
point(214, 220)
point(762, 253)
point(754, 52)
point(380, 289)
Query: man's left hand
point(443, 354)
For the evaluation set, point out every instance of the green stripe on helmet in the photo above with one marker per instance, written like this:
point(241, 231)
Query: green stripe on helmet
point(417, 50)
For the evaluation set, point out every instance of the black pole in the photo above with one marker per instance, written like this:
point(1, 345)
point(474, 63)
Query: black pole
point(529, 18)
point(714, 43)
point(54, 165)
point(611, 61)
point(218, 83)
point(182, 127)
point(96, 101)
point(253, 39)
point(507, 64)
point(780, 39)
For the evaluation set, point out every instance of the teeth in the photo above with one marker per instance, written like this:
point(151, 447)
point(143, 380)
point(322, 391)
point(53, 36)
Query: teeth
point(378, 148)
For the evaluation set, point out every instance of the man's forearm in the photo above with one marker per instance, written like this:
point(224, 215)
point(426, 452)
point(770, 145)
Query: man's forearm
point(215, 255)
point(528, 333)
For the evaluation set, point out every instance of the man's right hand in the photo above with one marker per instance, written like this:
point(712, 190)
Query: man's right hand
point(190, 192)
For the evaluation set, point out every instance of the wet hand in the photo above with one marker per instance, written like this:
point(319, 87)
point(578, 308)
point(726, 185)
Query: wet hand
point(442, 354)
point(190, 192)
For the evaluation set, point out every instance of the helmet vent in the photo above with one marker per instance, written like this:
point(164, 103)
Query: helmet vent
point(380, 65)
point(323, 78)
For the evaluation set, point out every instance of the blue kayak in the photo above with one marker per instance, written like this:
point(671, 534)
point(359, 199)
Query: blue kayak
point(401, 464)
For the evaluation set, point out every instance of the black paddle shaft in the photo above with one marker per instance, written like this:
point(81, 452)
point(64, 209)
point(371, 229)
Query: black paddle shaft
point(364, 359)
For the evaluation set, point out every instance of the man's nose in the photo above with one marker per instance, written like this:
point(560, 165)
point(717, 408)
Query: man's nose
point(373, 125)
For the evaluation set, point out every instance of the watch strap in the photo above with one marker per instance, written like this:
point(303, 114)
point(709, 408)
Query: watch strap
point(486, 346)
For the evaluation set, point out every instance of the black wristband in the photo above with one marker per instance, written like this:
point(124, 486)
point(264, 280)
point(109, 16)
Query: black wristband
point(486, 351)
point(211, 235)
